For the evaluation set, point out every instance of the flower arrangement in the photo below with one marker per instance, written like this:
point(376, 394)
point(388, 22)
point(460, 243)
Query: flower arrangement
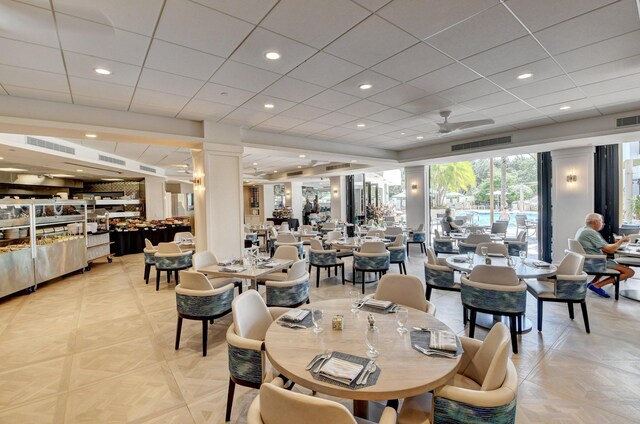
point(377, 213)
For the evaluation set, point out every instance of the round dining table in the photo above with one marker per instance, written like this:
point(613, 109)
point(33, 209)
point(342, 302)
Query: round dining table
point(524, 269)
point(404, 371)
point(632, 251)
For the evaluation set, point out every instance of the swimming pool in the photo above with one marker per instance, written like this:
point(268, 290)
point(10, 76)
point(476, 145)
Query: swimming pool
point(481, 217)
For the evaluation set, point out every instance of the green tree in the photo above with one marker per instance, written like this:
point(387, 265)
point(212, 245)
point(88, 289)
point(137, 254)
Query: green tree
point(451, 177)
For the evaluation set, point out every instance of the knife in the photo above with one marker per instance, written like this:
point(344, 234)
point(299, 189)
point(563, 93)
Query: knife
point(364, 372)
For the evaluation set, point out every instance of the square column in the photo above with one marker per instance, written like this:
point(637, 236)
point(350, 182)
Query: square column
point(417, 189)
point(154, 198)
point(338, 197)
point(293, 198)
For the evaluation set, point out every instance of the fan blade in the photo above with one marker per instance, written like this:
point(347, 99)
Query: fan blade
point(452, 126)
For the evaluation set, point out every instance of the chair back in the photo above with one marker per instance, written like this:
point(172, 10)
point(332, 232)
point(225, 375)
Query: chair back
point(432, 258)
point(333, 235)
point(404, 290)
point(192, 280)
point(491, 274)
point(315, 244)
point(202, 259)
point(488, 367)
point(446, 227)
point(436, 233)
point(478, 238)
point(399, 241)
point(306, 227)
point(274, 233)
point(286, 252)
point(393, 231)
point(297, 270)
point(170, 247)
point(575, 246)
point(148, 244)
point(183, 236)
point(496, 248)
point(375, 233)
point(329, 226)
point(286, 238)
point(284, 226)
point(420, 227)
point(373, 247)
point(522, 236)
point(571, 264)
point(251, 317)
point(499, 227)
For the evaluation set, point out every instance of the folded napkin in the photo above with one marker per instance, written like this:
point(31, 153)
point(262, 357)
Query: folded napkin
point(541, 264)
point(227, 262)
point(459, 260)
point(495, 255)
point(341, 370)
point(296, 315)
point(232, 269)
point(443, 340)
point(271, 265)
point(374, 303)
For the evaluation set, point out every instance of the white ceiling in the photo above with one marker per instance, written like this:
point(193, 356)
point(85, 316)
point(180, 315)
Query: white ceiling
point(204, 60)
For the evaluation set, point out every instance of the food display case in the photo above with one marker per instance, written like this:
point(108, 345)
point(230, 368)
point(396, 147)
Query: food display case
point(16, 240)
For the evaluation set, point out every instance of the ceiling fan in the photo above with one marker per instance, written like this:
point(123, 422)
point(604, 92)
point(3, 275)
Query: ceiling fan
point(446, 127)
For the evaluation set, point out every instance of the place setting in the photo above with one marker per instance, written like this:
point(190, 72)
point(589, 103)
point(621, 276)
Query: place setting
point(297, 319)
point(434, 342)
point(345, 370)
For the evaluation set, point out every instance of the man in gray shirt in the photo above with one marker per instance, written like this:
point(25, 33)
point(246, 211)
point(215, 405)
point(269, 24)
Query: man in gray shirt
point(594, 244)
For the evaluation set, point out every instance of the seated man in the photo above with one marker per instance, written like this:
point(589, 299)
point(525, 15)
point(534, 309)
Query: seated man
point(449, 219)
point(594, 244)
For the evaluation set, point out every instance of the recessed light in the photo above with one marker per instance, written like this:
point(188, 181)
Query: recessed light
point(1, 158)
point(353, 161)
point(365, 86)
point(12, 170)
point(525, 76)
point(302, 156)
point(102, 71)
point(112, 179)
point(275, 172)
point(62, 175)
point(402, 133)
point(299, 166)
point(255, 163)
point(269, 106)
point(91, 135)
point(419, 137)
point(565, 107)
point(181, 165)
point(360, 125)
point(79, 170)
point(272, 55)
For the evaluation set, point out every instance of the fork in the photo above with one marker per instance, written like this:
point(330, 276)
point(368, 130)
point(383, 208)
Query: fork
point(315, 360)
point(291, 325)
point(327, 356)
point(370, 370)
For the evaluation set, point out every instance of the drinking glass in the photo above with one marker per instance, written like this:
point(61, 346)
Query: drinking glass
point(316, 318)
point(402, 316)
point(371, 338)
point(523, 256)
point(470, 256)
point(484, 250)
point(355, 300)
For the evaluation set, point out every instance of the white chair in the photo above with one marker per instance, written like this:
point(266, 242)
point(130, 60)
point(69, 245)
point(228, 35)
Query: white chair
point(291, 292)
point(437, 275)
point(288, 239)
point(375, 233)
point(287, 252)
point(149, 258)
point(493, 248)
point(404, 290)
point(284, 227)
point(596, 265)
point(208, 258)
point(398, 253)
point(184, 236)
point(472, 240)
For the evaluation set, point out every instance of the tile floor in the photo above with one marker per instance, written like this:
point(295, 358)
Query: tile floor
point(98, 347)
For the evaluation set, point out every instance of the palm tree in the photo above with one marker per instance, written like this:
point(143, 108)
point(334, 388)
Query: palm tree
point(449, 177)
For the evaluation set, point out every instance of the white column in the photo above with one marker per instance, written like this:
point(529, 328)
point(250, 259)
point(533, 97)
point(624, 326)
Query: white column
point(218, 196)
point(417, 189)
point(154, 198)
point(293, 198)
point(571, 201)
point(338, 197)
point(267, 204)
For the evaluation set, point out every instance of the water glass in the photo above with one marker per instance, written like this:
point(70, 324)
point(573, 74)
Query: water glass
point(484, 250)
point(523, 256)
point(316, 318)
point(470, 256)
point(354, 295)
point(402, 316)
point(372, 338)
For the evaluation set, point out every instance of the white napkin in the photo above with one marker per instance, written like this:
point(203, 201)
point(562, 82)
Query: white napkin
point(381, 304)
point(271, 265)
point(341, 370)
point(541, 264)
point(295, 315)
point(443, 340)
point(232, 269)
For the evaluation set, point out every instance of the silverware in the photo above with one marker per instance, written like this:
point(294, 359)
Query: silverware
point(434, 352)
point(315, 360)
point(291, 325)
point(364, 372)
point(325, 359)
point(371, 370)
point(421, 329)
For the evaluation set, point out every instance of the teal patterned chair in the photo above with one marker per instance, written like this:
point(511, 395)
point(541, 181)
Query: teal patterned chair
point(245, 342)
point(288, 239)
point(596, 265)
point(568, 285)
point(292, 292)
point(208, 258)
point(483, 391)
point(494, 290)
point(372, 257)
point(472, 240)
point(517, 244)
point(493, 248)
point(197, 299)
point(419, 238)
point(321, 258)
point(445, 245)
point(170, 258)
point(438, 275)
point(289, 253)
point(392, 232)
point(398, 253)
point(149, 258)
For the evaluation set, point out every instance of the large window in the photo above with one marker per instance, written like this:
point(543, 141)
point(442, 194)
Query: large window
point(630, 183)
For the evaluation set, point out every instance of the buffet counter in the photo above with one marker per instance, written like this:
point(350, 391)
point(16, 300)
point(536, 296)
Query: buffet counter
point(129, 241)
point(293, 222)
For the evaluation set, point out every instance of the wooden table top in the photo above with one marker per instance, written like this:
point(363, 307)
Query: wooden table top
point(250, 272)
point(353, 243)
point(526, 270)
point(404, 371)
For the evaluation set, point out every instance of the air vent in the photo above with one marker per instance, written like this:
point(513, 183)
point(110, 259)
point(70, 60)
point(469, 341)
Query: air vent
point(481, 143)
point(339, 166)
point(147, 169)
point(51, 146)
point(109, 159)
point(630, 120)
point(294, 173)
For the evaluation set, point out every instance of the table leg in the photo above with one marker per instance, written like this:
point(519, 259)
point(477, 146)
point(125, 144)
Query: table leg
point(361, 408)
point(488, 321)
point(631, 294)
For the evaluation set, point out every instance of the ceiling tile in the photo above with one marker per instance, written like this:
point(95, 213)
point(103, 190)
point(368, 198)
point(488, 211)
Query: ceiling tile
point(292, 89)
point(202, 109)
point(557, 97)
point(490, 100)
point(399, 95)
point(610, 21)
point(37, 93)
point(180, 60)
point(306, 22)
point(101, 90)
point(249, 10)
point(372, 5)
point(510, 55)
point(505, 108)
point(471, 90)
point(427, 17)
point(29, 78)
point(599, 53)
point(280, 122)
point(612, 85)
point(335, 118)
point(444, 78)
point(27, 23)
point(372, 41)
point(245, 117)
point(417, 60)
point(352, 85)
point(243, 76)
point(80, 36)
point(541, 70)
point(252, 51)
point(80, 65)
point(535, 15)
point(577, 106)
point(163, 101)
point(539, 88)
point(222, 94)
point(425, 104)
point(311, 127)
point(169, 83)
point(325, 69)
point(257, 103)
point(478, 33)
point(618, 108)
point(521, 125)
point(389, 115)
point(122, 104)
point(138, 16)
point(592, 112)
point(363, 108)
point(606, 71)
point(32, 56)
point(131, 150)
point(331, 100)
point(305, 112)
point(201, 28)
point(102, 145)
point(335, 132)
point(630, 96)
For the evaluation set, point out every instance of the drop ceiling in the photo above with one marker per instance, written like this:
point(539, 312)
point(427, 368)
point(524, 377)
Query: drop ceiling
point(204, 60)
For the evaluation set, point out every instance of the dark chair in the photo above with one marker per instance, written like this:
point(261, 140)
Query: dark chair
point(499, 227)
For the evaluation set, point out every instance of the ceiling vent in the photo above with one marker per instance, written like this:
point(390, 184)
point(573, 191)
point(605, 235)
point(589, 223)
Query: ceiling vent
point(294, 173)
point(628, 121)
point(51, 146)
point(109, 159)
point(338, 166)
point(481, 143)
point(147, 169)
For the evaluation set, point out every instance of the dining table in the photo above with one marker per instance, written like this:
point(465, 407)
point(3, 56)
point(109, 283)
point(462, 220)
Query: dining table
point(526, 268)
point(248, 272)
point(404, 371)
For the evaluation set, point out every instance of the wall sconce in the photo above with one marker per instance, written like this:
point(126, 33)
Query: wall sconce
point(572, 177)
point(288, 194)
point(414, 186)
point(198, 182)
point(335, 192)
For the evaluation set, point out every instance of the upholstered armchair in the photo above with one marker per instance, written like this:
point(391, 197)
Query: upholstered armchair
point(292, 292)
point(321, 258)
point(170, 258)
point(286, 252)
point(149, 258)
point(404, 290)
point(183, 236)
point(419, 238)
point(494, 290)
point(472, 240)
point(374, 232)
point(392, 232)
point(372, 257)
point(438, 275)
point(208, 258)
point(445, 245)
point(483, 391)
point(288, 239)
point(197, 299)
point(398, 253)
point(492, 248)
point(596, 265)
point(278, 405)
point(245, 341)
point(568, 285)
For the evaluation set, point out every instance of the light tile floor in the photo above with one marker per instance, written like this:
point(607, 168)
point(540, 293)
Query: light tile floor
point(98, 347)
